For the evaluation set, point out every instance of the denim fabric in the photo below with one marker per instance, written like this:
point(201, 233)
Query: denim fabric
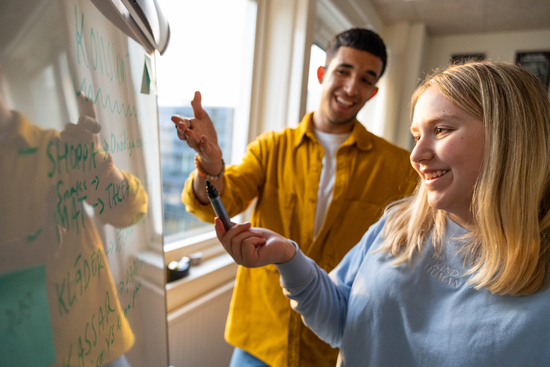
point(119, 362)
point(241, 358)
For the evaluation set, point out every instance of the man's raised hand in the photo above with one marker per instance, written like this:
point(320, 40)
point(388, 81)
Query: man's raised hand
point(199, 132)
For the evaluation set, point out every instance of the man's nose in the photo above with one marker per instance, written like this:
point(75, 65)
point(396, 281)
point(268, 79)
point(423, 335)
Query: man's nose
point(351, 87)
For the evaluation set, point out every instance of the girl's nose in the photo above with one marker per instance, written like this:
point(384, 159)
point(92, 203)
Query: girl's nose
point(422, 151)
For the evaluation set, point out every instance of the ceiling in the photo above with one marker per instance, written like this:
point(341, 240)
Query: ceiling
point(444, 17)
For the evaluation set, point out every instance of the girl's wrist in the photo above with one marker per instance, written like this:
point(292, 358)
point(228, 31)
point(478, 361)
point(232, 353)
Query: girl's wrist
point(290, 252)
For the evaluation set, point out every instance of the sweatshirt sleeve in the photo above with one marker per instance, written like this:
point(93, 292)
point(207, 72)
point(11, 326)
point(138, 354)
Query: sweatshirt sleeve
point(322, 298)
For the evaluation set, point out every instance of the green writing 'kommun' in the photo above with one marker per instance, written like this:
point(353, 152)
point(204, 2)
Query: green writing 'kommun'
point(104, 57)
point(97, 52)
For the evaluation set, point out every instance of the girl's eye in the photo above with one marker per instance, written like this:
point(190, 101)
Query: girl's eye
point(439, 130)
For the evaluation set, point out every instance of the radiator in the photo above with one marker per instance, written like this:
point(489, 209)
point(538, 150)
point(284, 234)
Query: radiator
point(195, 330)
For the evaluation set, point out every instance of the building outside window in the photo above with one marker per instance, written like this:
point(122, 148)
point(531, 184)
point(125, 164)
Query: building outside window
point(209, 51)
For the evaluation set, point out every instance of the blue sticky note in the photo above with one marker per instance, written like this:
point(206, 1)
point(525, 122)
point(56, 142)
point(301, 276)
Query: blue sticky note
point(26, 337)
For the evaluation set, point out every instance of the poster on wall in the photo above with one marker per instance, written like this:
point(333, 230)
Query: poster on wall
point(538, 62)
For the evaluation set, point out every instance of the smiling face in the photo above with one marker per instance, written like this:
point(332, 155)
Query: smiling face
point(448, 154)
point(348, 83)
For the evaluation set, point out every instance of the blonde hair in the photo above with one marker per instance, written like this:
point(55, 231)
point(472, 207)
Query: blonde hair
point(509, 248)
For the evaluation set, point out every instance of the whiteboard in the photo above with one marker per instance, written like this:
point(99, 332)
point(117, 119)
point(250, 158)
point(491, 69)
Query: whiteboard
point(81, 232)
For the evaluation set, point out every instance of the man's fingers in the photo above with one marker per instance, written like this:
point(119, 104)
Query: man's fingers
point(185, 131)
point(191, 139)
point(176, 119)
point(187, 135)
point(197, 106)
point(182, 123)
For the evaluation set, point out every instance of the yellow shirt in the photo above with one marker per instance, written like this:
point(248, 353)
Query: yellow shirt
point(38, 190)
point(282, 169)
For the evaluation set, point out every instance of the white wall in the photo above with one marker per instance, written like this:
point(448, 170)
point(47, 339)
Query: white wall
point(284, 35)
point(413, 54)
point(406, 44)
point(496, 46)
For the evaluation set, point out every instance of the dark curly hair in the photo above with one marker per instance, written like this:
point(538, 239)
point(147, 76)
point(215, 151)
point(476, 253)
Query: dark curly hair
point(360, 39)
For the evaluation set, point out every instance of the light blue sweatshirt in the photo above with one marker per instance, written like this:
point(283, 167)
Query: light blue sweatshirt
point(419, 314)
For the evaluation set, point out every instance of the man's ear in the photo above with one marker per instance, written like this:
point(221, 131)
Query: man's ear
point(374, 92)
point(320, 74)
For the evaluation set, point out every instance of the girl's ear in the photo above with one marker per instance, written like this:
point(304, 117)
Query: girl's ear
point(320, 74)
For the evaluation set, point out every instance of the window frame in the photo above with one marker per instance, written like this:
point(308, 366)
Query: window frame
point(179, 244)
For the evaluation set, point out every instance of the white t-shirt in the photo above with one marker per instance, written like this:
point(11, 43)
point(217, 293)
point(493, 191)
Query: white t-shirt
point(330, 144)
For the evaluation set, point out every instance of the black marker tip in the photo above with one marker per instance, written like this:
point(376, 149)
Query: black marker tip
point(211, 190)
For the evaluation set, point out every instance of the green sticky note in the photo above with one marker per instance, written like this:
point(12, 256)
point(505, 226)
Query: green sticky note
point(26, 337)
point(148, 85)
point(146, 79)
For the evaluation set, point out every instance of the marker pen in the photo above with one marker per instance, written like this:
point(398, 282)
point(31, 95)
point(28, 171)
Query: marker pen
point(217, 204)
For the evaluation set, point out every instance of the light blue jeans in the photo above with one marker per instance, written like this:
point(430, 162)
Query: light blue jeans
point(119, 362)
point(241, 358)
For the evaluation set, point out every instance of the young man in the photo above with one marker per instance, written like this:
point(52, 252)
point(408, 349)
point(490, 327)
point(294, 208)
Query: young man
point(321, 184)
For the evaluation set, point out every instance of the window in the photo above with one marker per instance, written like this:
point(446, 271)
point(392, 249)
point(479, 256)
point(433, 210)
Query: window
point(210, 51)
point(314, 88)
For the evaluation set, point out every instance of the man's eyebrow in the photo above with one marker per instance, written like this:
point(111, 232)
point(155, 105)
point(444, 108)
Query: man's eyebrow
point(349, 66)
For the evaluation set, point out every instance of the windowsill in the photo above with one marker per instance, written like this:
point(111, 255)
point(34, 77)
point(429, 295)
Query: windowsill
point(206, 243)
point(217, 267)
point(202, 278)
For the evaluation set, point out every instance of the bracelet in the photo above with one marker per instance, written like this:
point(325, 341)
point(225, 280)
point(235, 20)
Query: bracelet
point(206, 175)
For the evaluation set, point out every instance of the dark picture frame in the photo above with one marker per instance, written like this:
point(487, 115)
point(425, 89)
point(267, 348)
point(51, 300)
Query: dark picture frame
point(537, 62)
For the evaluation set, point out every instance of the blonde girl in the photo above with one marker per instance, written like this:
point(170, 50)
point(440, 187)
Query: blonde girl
point(456, 274)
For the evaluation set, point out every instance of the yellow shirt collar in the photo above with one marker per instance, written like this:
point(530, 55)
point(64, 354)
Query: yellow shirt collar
point(359, 134)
